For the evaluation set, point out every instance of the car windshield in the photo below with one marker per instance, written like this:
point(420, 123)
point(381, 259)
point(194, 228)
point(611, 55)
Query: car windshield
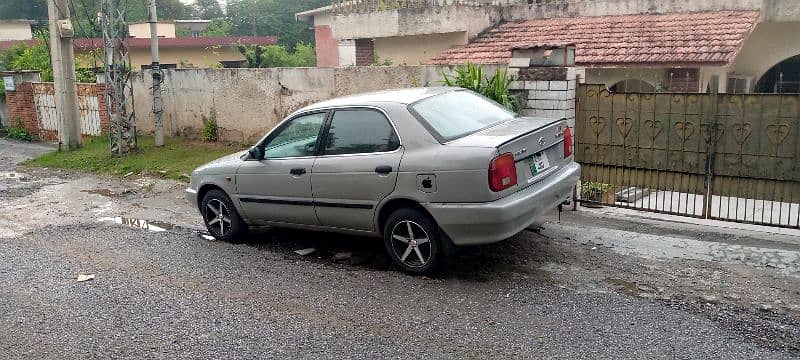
point(455, 114)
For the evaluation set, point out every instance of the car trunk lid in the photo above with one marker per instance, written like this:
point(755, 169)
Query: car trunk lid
point(536, 144)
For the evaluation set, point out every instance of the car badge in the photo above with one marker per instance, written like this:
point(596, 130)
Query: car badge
point(521, 151)
point(541, 141)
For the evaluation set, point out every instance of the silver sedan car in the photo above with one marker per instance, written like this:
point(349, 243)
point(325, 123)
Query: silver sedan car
point(423, 168)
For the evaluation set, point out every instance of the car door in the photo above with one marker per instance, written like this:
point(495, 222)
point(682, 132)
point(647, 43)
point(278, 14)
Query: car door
point(356, 167)
point(278, 187)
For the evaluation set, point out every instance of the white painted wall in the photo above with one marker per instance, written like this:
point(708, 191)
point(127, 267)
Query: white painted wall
point(15, 30)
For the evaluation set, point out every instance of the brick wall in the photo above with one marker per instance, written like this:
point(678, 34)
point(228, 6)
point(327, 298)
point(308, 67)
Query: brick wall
point(546, 91)
point(365, 52)
point(21, 108)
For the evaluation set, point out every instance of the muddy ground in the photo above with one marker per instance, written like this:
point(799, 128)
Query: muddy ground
point(594, 283)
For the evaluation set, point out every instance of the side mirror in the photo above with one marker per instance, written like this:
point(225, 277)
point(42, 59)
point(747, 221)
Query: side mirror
point(255, 153)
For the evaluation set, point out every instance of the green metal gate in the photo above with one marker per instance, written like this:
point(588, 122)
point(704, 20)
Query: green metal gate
point(730, 157)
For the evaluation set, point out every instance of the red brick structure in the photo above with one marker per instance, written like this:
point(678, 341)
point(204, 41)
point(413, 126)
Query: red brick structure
point(22, 107)
point(327, 47)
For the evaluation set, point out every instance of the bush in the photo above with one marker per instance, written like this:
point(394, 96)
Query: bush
point(19, 132)
point(471, 77)
point(304, 55)
point(591, 189)
point(210, 129)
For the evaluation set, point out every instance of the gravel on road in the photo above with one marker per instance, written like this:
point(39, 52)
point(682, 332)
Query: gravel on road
point(175, 294)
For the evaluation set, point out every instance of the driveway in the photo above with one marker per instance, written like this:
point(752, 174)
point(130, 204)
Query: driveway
point(596, 284)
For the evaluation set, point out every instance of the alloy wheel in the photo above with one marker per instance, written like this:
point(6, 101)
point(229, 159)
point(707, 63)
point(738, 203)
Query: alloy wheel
point(411, 243)
point(218, 217)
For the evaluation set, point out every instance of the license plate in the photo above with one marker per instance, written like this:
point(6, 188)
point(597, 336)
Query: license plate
point(539, 163)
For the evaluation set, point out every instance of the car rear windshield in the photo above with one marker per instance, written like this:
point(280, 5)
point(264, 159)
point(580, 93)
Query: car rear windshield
point(456, 114)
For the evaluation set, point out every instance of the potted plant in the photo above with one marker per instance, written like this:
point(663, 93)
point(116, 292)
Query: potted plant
point(597, 193)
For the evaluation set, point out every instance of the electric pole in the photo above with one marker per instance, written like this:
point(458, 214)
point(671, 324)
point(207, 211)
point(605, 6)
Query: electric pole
point(155, 68)
point(63, 59)
point(119, 93)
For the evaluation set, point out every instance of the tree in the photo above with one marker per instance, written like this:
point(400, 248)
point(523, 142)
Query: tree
point(277, 56)
point(218, 27)
point(207, 9)
point(272, 17)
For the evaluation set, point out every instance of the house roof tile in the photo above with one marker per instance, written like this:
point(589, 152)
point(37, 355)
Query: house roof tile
point(711, 38)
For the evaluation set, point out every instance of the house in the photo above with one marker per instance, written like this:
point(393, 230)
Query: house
point(628, 45)
point(174, 52)
point(15, 30)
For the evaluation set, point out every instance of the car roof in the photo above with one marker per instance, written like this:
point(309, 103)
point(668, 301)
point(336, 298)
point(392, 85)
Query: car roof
point(402, 96)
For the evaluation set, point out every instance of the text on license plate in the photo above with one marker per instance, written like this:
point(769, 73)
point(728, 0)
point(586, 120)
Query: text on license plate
point(539, 163)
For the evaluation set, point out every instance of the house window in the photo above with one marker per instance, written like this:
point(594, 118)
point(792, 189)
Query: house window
point(738, 85)
point(684, 80)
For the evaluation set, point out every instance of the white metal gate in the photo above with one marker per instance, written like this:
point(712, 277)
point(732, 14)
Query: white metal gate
point(49, 117)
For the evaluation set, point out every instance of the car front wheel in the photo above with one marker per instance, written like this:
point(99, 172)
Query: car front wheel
point(221, 218)
point(412, 240)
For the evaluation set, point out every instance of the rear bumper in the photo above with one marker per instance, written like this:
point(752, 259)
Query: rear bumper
point(482, 223)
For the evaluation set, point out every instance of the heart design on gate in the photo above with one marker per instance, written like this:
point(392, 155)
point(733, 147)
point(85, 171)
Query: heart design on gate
point(625, 126)
point(707, 130)
point(655, 127)
point(742, 131)
point(684, 129)
point(597, 123)
point(777, 133)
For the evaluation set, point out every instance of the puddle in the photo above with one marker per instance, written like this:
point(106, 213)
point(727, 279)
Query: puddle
point(156, 226)
point(11, 175)
point(625, 287)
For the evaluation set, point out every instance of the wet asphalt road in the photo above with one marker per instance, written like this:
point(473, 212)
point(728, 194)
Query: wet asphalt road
point(174, 294)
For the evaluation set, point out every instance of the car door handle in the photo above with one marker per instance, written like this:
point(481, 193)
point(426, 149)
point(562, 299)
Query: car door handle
point(297, 171)
point(383, 169)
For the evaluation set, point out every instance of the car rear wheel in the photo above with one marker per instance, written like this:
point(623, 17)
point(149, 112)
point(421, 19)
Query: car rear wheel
point(221, 218)
point(412, 240)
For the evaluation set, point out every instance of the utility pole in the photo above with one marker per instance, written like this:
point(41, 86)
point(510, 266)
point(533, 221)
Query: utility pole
point(63, 59)
point(119, 93)
point(155, 68)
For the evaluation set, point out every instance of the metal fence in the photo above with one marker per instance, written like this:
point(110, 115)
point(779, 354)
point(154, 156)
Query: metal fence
point(721, 156)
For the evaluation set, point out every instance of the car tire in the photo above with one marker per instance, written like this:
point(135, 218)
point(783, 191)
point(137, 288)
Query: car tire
point(413, 241)
point(221, 218)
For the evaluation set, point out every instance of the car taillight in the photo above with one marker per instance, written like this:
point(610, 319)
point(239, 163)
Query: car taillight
point(567, 142)
point(502, 172)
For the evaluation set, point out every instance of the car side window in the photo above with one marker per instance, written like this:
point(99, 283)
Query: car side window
point(296, 138)
point(359, 131)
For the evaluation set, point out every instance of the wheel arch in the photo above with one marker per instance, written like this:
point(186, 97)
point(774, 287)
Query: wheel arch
point(391, 205)
point(204, 189)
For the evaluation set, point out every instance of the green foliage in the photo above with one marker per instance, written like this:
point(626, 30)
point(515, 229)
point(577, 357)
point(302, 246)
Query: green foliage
point(303, 55)
point(36, 57)
point(218, 27)
point(471, 77)
point(376, 60)
point(210, 128)
point(178, 157)
point(272, 17)
point(206, 9)
point(19, 132)
point(591, 189)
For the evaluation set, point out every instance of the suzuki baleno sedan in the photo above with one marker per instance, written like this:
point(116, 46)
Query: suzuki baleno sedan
point(422, 168)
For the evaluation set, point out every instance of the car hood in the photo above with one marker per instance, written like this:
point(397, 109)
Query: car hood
point(227, 163)
point(503, 132)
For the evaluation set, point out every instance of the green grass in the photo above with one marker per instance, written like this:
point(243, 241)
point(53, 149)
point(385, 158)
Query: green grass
point(177, 157)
